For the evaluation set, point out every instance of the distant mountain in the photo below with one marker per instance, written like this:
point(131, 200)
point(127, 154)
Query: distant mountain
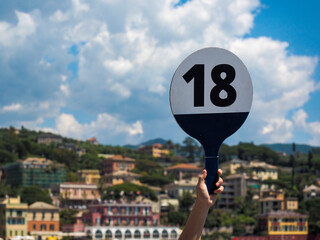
point(287, 147)
point(147, 143)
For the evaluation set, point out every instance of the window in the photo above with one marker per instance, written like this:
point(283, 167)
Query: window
point(174, 234)
point(108, 234)
point(52, 215)
point(146, 234)
point(127, 234)
point(118, 234)
point(19, 213)
point(43, 214)
point(52, 227)
point(43, 227)
point(137, 234)
point(34, 227)
point(165, 234)
point(155, 234)
point(34, 215)
point(98, 234)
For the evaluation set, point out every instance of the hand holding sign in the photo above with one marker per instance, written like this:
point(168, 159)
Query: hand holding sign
point(210, 98)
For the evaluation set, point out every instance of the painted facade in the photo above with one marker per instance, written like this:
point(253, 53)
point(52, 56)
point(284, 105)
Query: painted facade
point(13, 218)
point(43, 220)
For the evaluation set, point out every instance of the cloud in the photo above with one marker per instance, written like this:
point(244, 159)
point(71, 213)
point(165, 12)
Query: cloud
point(12, 107)
point(126, 56)
point(106, 128)
point(11, 36)
point(313, 128)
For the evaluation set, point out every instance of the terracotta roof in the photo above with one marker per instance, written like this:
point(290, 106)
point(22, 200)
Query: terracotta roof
point(184, 166)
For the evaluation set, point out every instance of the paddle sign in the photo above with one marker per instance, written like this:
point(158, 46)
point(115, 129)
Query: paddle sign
point(210, 98)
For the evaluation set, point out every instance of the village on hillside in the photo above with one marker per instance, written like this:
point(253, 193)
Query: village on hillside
point(53, 187)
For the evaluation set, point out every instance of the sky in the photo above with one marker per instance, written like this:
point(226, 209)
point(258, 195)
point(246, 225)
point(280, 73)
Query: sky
point(103, 68)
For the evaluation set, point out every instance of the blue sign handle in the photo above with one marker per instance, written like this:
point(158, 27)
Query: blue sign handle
point(212, 166)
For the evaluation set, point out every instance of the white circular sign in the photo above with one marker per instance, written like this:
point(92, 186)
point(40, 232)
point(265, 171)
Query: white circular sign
point(211, 80)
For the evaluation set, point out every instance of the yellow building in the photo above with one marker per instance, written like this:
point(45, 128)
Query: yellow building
point(13, 218)
point(119, 177)
point(232, 166)
point(89, 176)
point(156, 150)
point(274, 200)
point(280, 224)
point(255, 168)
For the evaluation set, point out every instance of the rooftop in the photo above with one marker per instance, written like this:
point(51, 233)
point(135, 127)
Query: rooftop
point(183, 166)
point(42, 205)
point(284, 214)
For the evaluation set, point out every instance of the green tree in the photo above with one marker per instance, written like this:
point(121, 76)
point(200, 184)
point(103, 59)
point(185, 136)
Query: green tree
point(129, 190)
point(190, 149)
point(156, 180)
point(186, 202)
point(310, 156)
point(67, 216)
point(177, 218)
point(35, 194)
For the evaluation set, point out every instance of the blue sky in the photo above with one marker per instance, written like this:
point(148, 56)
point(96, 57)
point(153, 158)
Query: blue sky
point(81, 68)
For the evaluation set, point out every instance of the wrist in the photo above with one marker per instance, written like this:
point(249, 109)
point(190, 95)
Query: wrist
point(202, 204)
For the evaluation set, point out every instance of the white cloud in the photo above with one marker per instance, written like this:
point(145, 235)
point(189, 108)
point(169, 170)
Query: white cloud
point(15, 35)
point(313, 128)
point(105, 128)
point(127, 56)
point(12, 107)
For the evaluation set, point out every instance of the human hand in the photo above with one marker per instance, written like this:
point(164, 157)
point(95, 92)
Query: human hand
point(203, 196)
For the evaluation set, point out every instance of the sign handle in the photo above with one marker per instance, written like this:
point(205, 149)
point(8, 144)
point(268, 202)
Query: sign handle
point(212, 166)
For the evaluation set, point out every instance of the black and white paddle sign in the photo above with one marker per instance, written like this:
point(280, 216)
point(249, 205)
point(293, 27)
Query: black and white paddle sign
point(210, 97)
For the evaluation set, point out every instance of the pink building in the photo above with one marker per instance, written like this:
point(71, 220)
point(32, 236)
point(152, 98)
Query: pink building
point(121, 214)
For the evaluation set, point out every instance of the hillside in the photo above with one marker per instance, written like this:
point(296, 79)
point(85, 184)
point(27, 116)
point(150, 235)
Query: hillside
point(287, 147)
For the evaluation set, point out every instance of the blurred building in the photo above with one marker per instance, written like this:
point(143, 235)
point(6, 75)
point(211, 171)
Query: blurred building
point(119, 177)
point(274, 200)
point(34, 171)
point(43, 220)
point(74, 148)
point(121, 214)
point(234, 186)
point(114, 163)
point(49, 138)
point(155, 150)
point(13, 218)
point(76, 195)
point(254, 168)
point(310, 192)
point(89, 176)
point(282, 225)
point(92, 140)
point(182, 171)
point(132, 232)
point(179, 187)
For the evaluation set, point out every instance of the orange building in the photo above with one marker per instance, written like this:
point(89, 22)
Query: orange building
point(114, 163)
point(43, 220)
point(181, 171)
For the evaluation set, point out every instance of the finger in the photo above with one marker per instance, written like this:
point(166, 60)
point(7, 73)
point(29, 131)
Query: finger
point(219, 171)
point(219, 190)
point(202, 176)
point(204, 173)
point(219, 182)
